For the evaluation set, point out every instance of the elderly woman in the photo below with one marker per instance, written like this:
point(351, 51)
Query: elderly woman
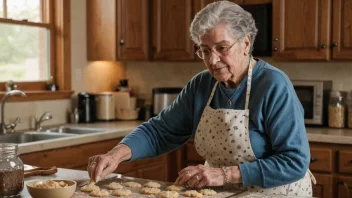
point(243, 113)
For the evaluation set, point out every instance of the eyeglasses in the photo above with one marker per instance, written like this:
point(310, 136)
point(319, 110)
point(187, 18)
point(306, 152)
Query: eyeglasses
point(219, 50)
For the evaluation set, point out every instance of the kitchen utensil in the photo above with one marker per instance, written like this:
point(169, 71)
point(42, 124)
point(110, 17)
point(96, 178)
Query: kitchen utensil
point(65, 192)
point(40, 171)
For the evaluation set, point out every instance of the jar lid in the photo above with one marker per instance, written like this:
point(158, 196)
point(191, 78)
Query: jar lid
point(335, 94)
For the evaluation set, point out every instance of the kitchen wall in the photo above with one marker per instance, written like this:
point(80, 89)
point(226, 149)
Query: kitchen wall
point(143, 76)
point(146, 75)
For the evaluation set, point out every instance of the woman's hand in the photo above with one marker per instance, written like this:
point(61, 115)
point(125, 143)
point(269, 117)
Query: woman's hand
point(99, 166)
point(200, 176)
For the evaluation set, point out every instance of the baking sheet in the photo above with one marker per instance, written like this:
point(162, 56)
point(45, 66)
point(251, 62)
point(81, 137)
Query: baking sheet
point(221, 192)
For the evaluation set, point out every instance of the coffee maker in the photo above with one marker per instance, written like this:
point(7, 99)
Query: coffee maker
point(86, 107)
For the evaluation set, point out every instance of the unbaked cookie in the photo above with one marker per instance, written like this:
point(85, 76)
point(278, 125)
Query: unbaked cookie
point(152, 185)
point(175, 187)
point(99, 193)
point(208, 192)
point(114, 186)
point(90, 187)
point(121, 192)
point(168, 194)
point(150, 191)
point(192, 193)
point(132, 184)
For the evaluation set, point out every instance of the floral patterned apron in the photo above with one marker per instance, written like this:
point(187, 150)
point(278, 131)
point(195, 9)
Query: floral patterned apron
point(222, 138)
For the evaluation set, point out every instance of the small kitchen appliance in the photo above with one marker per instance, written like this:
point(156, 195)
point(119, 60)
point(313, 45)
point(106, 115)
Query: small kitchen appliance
point(86, 107)
point(314, 97)
point(105, 106)
point(163, 97)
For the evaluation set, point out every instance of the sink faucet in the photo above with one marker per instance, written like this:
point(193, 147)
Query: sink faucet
point(44, 117)
point(5, 127)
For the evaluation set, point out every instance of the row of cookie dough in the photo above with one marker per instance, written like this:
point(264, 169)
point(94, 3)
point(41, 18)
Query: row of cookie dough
point(150, 188)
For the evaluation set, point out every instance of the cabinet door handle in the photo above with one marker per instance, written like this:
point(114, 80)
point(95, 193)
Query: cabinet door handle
point(122, 42)
point(276, 39)
point(334, 44)
point(323, 46)
point(275, 49)
point(312, 159)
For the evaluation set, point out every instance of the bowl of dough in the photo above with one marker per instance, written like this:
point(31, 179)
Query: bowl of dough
point(52, 188)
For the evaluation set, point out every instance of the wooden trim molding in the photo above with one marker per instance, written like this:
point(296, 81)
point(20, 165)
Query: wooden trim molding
point(57, 19)
point(62, 44)
point(28, 23)
point(39, 95)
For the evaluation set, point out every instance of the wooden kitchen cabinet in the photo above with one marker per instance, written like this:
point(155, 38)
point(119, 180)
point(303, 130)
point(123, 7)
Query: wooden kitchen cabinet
point(331, 165)
point(171, 21)
point(324, 186)
point(118, 30)
point(344, 187)
point(76, 157)
point(303, 29)
point(342, 31)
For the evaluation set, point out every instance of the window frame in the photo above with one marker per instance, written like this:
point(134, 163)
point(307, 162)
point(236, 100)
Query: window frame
point(56, 17)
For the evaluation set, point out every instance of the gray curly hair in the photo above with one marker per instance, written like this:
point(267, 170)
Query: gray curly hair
point(240, 21)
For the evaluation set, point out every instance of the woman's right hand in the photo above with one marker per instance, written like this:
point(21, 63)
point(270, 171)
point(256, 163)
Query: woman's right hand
point(99, 166)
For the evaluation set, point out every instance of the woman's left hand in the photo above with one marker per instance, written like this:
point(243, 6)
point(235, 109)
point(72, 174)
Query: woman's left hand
point(200, 176)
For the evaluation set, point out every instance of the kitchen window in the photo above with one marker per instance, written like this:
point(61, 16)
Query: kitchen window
point(35, 46)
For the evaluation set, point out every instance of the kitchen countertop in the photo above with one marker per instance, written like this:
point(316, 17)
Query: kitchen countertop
point(82, 177)
point(119, 129)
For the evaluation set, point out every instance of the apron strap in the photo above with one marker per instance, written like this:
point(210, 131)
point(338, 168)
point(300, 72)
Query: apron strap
point(212, 93)
point(249, 83)
point(314, 181)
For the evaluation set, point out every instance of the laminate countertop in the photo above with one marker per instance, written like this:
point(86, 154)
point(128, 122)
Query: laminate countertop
point(119, 129)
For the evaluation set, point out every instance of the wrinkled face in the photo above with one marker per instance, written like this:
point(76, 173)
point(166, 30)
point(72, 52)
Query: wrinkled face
point(224, 66)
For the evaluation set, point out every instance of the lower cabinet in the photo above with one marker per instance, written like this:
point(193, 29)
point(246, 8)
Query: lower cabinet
point(324, 186)
point(344, 187)
point(331, 165)
point(76, 157)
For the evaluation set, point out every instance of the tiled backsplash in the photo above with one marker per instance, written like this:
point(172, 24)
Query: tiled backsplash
point(144, 76)
point(26, 111)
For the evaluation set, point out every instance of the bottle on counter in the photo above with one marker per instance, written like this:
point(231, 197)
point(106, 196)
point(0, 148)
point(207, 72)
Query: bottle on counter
point(11, 170)
point(349, 109)
point(336, 110)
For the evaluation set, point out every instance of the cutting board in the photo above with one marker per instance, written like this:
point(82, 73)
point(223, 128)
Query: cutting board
point(33, 170)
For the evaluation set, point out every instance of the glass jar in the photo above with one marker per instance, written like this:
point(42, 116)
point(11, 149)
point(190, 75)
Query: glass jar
point(336, 110)
point(11, 170)
point(349, 109)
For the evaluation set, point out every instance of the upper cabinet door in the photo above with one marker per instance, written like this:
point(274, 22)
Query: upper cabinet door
point(133, 29)
point(301, 29)
point(101, 30)
point(342, 30)
point(200, 4)
point(171, 40)
point(257, 1)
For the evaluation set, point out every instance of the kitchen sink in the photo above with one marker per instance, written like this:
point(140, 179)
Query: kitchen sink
point(75, 130)
point(30, 137)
